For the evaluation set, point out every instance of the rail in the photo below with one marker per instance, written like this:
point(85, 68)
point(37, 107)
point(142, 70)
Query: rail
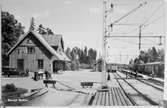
point(144, 96)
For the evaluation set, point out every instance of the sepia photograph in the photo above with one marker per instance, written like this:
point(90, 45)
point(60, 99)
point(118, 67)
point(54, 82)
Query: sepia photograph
point(75, 53)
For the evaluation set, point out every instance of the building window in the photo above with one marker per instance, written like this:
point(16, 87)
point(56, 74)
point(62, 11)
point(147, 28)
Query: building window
point(29, 41)
point(40, 64)
point(30, 50)
point(18, 51)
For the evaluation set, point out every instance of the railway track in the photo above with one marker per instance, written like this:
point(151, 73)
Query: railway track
point(159, 83)
point(139, 93)
point(150, 83)
point(129, 97)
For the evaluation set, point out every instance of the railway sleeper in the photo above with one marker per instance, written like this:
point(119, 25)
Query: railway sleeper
point(143, 95)
point(114, 96)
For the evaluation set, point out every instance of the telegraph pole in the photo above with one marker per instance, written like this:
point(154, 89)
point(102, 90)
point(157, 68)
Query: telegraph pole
point(104, 75)
point(139, 38)
point(106, 36)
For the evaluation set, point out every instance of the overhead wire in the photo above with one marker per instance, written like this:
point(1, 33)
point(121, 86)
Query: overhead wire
point(150, 40)
point(153, 21)
point(125, 41)
point(153, 13)
point(127, 14)
point(133, 42)
point(125, 4)
point(128, 24)
point(119, 47)
point(144, 23)
point(133, 30)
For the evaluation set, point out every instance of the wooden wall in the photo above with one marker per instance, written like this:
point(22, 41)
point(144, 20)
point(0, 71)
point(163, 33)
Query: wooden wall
point(30, 60)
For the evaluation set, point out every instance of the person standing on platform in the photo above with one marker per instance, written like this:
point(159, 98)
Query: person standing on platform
point(108, 77)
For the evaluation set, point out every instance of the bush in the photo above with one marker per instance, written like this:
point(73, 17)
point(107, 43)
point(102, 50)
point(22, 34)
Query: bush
point(10, 88)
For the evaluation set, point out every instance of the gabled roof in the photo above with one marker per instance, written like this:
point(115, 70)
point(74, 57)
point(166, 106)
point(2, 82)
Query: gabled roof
point(21, 38)
point(53, 40)
point(44, 42)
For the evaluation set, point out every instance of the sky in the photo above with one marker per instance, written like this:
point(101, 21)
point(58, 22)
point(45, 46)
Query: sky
point(81, 23)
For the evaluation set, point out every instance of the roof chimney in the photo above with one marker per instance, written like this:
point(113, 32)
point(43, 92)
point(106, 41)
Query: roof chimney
point(32, 25)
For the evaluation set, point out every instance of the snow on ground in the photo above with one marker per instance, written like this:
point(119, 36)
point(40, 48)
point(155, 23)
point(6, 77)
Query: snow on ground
point(53, 98)
point(61, 95)
point(22, 82)
point(74, 78)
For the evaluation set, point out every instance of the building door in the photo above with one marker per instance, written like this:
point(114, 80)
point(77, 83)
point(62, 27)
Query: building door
point(20, 64)
point(55, 66)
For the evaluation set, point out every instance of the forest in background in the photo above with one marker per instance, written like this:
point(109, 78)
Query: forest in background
point(81, 58)
point(12, 29)
point(150, 55)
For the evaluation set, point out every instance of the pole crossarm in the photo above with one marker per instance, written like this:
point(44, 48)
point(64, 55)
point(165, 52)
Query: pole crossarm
point(135, 36)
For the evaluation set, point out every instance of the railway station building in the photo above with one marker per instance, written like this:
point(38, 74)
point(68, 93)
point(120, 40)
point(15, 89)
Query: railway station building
point(34, 51)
